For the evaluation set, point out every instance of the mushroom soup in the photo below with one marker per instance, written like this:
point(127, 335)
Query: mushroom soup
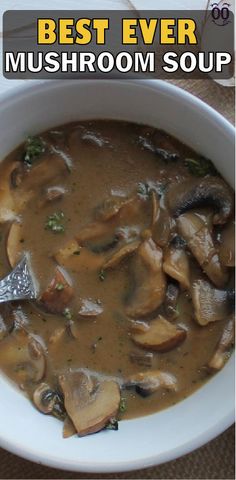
point(131, 238)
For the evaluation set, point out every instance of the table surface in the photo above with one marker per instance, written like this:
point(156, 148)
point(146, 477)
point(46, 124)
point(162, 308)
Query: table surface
point(213, 461)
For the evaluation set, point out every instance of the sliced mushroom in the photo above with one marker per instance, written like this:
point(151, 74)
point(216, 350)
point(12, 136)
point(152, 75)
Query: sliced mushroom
point(25, 354)
point(195, 230)
point(37, 357)
point(59, 292)
point(94, 139)
point(68, 428)
point(90, 308)
point(223, 347)
point(134, 212)
point(141, 358)
point(102, 245)
point(171, 300)
point(209, 191)
point(155, 207)
point(89, 403)
point(19, 185)
point(111, 207)
point(162, 336)
point(119, 255)
point(138, 326)
point(150, 280)
point(147, 383)
point(176, 265)
point(164, 224)
point(31, 180)
point(43, 172)
point(64, 155)
point(20, 319)
point(227, 245)
point(8, 205)
point(73, 329)
point(48, 401)
point(17, 175)
point(210, 304)
point(77, 258)
point(156, 143)
point(95, 231)
point(52, 194)
point(14, 243)
point(57, 335)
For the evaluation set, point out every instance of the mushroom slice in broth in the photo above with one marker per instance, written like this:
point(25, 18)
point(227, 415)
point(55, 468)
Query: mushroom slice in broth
point(227, 245)
point(161, 336)
point(146, 383)
point(146, 248)
point(111, 207)
point(90, 308)
point(89, 401)
point(207, 192)
point(211, 304)
point(59, 292)
point(193, 227)
point(77, 259)
point(15, 243)
point(223, 347)
point(141, 358)
point(26, 355)
point(8, 205)
point(48, 401)
point(176, 265)
point(121, 254)
point(69, 429)
point(149, 278)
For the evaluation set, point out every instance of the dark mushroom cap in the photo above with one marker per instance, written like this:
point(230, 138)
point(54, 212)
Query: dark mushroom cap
point(209, 191)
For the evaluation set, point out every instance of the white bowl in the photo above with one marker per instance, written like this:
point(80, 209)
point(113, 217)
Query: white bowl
point(163, 436)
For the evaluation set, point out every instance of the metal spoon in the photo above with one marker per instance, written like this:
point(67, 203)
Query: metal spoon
point(20, 284)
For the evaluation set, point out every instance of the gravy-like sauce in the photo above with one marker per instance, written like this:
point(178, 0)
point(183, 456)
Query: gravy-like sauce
point(106, 160)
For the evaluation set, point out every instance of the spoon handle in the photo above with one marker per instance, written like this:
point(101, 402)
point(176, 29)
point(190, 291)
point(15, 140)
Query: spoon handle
point(18, 284)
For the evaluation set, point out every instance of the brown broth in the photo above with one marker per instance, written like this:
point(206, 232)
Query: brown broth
point(104, 343)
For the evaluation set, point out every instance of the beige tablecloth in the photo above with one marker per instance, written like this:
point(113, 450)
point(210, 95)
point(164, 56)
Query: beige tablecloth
point(213, 461)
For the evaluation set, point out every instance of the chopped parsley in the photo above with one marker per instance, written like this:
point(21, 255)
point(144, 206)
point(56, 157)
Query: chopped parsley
point(68, 314)
point(177, 310)
point(34, 148)
point(102, 275)
point(199, 167)
point(55, 222)
point(59, 286)
point(113, 424)
point(123, 405)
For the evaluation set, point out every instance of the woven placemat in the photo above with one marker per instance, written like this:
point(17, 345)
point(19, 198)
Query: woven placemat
point(213, 461)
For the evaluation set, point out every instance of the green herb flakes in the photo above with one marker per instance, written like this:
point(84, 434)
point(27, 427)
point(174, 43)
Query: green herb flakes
point(68, 314)
point(59, 287)
point(199, 167)
point(55, 222)
point(34, 148)
point(113, 424)
point(123, 405)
